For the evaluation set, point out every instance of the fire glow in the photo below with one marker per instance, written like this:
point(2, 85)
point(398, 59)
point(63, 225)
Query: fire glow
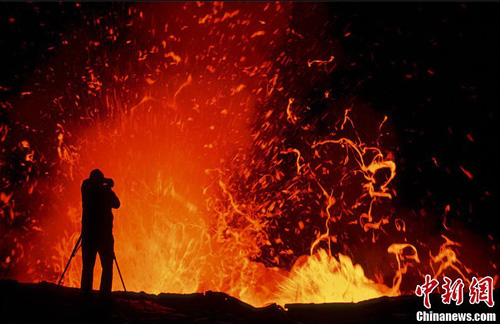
point(232, 176)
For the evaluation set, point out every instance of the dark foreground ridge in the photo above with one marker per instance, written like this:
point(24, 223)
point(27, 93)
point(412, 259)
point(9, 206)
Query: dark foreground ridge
point(49, 303)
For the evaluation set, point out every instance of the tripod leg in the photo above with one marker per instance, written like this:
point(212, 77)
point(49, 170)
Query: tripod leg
point(75, 249)
point(120, 273)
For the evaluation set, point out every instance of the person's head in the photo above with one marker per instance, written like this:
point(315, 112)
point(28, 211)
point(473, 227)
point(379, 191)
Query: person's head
point(96, 176)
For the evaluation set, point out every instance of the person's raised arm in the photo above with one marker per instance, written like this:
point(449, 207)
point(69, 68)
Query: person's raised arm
point(115, 202)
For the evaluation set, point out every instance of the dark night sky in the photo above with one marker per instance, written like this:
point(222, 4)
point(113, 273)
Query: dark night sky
point(433, 68)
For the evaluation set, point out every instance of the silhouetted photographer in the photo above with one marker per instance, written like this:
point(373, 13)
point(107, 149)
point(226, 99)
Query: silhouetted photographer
point(98, 200)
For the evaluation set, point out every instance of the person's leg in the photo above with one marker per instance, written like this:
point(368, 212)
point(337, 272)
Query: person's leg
point(106, 254)
point(89, 253)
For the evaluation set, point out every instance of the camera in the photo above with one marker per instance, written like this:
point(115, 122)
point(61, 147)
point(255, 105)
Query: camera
point(108, 182)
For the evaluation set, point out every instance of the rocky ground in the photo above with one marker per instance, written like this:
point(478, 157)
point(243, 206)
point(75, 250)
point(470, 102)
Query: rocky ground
point(48, 303)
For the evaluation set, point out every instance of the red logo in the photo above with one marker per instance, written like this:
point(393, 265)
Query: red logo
point(480, 290)
point(453, 291)
point(426, 289)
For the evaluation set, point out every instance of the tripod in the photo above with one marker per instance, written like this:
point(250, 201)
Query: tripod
point(78, 245)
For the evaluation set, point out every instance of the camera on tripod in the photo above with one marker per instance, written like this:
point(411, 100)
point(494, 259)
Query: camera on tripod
point(108, 182)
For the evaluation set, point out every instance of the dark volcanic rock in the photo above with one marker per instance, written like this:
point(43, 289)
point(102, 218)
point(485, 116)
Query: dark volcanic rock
point(48, 303)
